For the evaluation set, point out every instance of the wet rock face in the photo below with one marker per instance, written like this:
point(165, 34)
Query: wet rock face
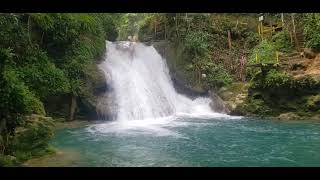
point(89, 105)
point(106, 108)
point(172, 54)
point(101, 85)
point(182, 88)
point(235, 97)
point(217, 104)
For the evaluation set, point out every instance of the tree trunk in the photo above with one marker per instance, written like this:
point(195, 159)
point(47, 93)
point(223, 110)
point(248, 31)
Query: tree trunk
point(229, 39)
point(42, 38)
point(29, 33)
point(294, 30)
point(176, 19)
point(73, 107)
point(165, 30)
point(199, 76)
point(2, 135)
point(155, 30)
point(291, 38)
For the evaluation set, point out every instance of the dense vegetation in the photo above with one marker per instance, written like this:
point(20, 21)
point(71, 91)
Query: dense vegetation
point(45, 55)
point(277, 90)
point(202, 40)
point(213, 44)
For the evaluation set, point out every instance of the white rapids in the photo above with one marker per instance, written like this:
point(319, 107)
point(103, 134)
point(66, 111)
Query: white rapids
point(143, 92)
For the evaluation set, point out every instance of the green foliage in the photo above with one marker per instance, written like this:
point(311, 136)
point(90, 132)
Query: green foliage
point(196, 43)
point(266, 52)
point(258, 107)
point(8, 161)
point(43, 77)
point(17, 100)
point(31, 139)
point(43, 55)
point(282, 42)
point(131, 23)
point(311, 30)
point(204, 37)
point(313, 102)
point(217, 76)
point(274, 92)
point(275, 78)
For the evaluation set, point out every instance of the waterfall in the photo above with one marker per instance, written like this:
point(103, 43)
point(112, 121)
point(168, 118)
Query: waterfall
point(141, 87)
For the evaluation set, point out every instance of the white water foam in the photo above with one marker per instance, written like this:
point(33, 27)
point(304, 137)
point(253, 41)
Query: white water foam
point(144, 94)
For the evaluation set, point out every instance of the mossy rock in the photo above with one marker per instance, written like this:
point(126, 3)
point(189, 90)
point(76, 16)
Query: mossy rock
point(230, 92)
point(31, 139)
point(313, 103)
point(258, 106)
point(8, 161)
point(315, 117)
point(64, 158)
point(289, 116)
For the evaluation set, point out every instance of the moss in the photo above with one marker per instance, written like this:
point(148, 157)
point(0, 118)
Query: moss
point(313, 103)
point(277, 92)
point(31, 139)
point(23, 156)
point(289, 116)
point(257, 106)
point(8, 161)
point(231, 91)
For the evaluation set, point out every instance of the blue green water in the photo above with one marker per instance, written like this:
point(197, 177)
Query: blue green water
point(194, 142)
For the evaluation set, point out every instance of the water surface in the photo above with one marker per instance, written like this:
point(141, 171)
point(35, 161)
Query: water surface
point(190, 141)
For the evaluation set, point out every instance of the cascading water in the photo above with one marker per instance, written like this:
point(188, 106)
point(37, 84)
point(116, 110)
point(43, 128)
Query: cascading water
point(155, 126)
point(142, 87)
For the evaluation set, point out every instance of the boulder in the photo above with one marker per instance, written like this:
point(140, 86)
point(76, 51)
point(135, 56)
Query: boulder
point(97, 86)
point(217, 104)
point(32, 138)
point(313, 103)
point(289, 116)
point(315, 117)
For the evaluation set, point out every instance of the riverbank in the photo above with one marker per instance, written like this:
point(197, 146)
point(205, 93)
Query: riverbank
point(58, 157)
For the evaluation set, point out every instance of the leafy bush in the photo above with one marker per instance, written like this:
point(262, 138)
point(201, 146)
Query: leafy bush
point(8, 161)
point(313, 102)
point(217, 76)
point(43, 55)
point(32, 138)
point(43, 78)
point(196, 43)
point(311, 30)
point(282, 42)
point(275, 78)
point(17, 100)
point(266, 52)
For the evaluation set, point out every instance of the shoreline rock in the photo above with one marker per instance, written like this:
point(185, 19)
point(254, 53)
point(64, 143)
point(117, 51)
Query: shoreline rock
point(217, 104)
